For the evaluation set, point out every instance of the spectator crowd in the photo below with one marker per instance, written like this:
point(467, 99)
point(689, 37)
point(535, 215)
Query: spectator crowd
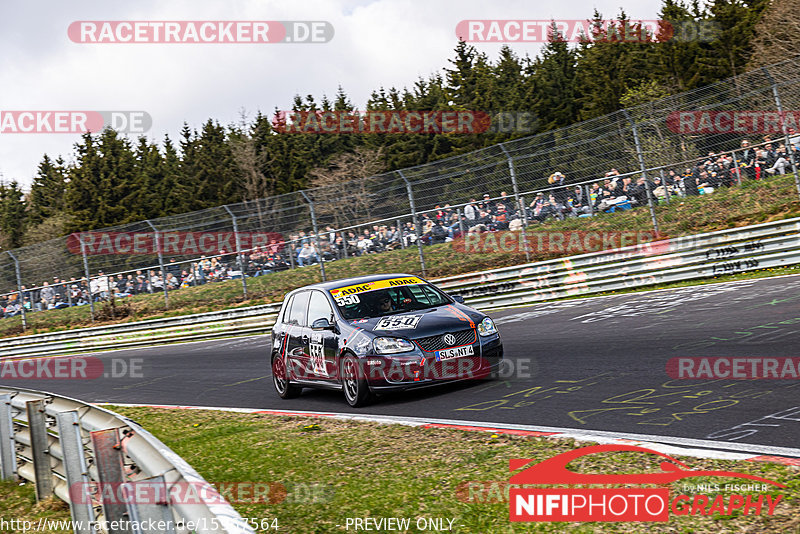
point(442, 224)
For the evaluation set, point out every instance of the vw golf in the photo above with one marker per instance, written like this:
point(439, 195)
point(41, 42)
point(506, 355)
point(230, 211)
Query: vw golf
point(373, 334)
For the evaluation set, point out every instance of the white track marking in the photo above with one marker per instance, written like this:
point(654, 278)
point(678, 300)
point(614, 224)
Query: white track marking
point(701, 448)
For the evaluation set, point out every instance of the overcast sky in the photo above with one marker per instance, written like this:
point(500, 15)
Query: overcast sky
point(376, 43)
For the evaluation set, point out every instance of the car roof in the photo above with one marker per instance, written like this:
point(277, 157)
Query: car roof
point(354, 281)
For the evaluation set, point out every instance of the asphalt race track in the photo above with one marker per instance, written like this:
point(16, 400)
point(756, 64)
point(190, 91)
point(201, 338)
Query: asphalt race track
point(595, 364)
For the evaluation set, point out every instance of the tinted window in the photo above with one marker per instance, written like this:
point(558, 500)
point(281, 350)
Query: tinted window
point(299, 304)
point(318, 308)
point(287, 310)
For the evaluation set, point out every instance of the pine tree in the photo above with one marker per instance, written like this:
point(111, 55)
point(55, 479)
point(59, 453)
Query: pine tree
point(552, 89)
point(609, 64)
point(12, 215)
point(101, 182)
point(47, 191)
point(731, 49)
point(216, 171)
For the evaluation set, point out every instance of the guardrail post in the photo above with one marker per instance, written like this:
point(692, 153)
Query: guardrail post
point(108, 460)
point(40, 445)
point(778, 104)
point(640, 155)
point(316, 233)
point(156, 235)
point(19, 292)
point(88, 276)
point(150, 512)
point(238, 249)
point(80, 501)
point(415, 218)
point(8, 449)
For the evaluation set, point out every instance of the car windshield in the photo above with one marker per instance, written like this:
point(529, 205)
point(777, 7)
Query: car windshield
point(387, 297)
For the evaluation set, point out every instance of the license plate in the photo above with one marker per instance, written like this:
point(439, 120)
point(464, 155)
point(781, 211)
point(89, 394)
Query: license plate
point(457, 352)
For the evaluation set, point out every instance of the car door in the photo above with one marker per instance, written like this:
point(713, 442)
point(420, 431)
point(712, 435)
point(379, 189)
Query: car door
point(322, 343)
point(297, 336)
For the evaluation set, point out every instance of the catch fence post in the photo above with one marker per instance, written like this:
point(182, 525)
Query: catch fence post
point(417, 229)
point(238, 250)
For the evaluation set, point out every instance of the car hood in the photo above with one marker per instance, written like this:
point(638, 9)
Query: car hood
point(423, 323)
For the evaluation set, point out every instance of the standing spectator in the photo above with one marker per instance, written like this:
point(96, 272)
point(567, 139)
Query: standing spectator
point(560, 192)
point(47, 296)
point(747, 160)
point(438, 233)
point(338, 248)
point(470, 211)
point(488, 205)
point(60, 288)
point(760, 163)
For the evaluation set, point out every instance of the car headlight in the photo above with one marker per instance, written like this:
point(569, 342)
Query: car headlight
point(391, 345)
point(487, 327)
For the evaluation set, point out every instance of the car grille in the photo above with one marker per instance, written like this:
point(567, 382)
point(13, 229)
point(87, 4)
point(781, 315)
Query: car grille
point(432, 343)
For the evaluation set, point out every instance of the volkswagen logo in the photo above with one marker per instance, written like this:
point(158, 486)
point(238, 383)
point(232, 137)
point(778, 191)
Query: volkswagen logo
point(449, 339)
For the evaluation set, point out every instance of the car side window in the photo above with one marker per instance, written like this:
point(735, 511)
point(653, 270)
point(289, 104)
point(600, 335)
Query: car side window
point(299, 304)
point(287, 308)
point(419, 294)
point(318, 308)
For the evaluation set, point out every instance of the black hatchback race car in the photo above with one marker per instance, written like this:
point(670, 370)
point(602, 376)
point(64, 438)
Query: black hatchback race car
point(378, 333)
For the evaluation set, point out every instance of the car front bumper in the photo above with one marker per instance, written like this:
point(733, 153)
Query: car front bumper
point(418, 368)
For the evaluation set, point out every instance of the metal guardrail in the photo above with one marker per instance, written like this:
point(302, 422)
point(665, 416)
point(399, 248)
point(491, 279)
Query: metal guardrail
point(69, 449)
point(238, 321)
point(767, 245)
point(761, 246)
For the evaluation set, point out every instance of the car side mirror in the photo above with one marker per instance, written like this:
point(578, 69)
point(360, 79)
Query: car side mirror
point(458, 298)
point(321, 324)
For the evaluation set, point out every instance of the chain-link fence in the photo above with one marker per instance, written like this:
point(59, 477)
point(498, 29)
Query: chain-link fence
point(732, 134)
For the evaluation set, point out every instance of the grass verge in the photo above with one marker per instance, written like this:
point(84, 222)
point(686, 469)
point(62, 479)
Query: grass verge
point(18, 504)
point(333, 470)
point(752, 203)
point(323, 471)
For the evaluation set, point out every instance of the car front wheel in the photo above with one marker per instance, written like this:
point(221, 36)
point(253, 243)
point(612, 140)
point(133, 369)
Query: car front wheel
point(280, 378)
point(356, 390)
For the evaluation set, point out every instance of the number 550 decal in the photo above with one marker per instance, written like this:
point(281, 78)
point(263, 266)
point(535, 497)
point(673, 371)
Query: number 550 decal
point(348, 299)
point(398, 322)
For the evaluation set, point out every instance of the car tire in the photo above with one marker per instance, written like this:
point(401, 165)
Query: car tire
point(280, 379)
point(355, 387)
